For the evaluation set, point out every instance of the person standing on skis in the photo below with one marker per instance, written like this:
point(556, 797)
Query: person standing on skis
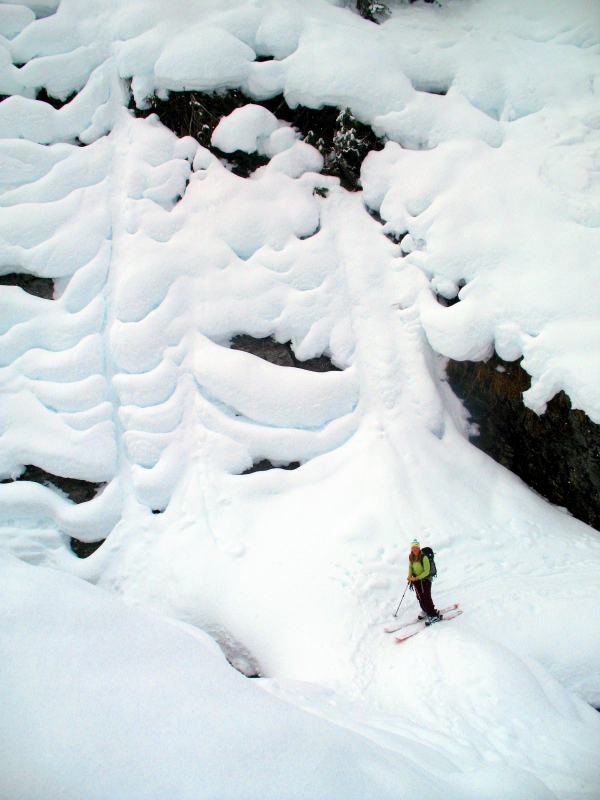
point(418, 574)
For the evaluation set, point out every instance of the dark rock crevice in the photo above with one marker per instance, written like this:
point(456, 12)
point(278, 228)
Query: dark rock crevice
point(556, 453)
point(85, 549)
point(280, 354)
point(39, 287)
point(396, 238)
point(78, 491)
point(55, 102)
point(447, 302)
point(43, 96)
point(451, 301)
point(265, 464)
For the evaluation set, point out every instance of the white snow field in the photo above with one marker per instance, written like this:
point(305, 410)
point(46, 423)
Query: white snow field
point(159, 256)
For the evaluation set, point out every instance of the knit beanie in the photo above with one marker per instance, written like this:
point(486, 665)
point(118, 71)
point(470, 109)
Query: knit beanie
point(415, 544)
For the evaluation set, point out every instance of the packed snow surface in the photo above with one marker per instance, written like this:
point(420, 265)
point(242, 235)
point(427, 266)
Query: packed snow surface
point(159, 256)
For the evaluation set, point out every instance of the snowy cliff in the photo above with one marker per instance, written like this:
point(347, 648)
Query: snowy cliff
point(159, 255)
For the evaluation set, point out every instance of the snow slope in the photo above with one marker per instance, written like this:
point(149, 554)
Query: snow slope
point(160, 706)
point(87, 683)
point(160, 255)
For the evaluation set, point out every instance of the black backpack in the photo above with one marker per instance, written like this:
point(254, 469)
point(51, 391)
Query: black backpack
point(427, 551)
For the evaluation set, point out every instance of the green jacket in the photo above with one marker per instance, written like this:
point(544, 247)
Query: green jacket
point(420, 571)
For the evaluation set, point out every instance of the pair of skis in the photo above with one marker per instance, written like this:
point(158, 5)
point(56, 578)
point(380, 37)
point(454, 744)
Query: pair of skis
point(446, 613)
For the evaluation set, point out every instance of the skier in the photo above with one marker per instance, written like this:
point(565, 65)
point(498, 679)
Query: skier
point(418, 575)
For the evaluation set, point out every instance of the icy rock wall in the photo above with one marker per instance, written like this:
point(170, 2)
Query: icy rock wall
point(556, 453)
point(511, 153)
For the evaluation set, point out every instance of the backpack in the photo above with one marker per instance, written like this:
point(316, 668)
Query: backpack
point(427, 551)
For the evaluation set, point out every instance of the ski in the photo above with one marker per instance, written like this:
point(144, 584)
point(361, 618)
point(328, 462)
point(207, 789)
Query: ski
point(427, 625)
point(395, 627)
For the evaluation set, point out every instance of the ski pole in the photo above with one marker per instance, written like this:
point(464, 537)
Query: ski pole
point(401, 599)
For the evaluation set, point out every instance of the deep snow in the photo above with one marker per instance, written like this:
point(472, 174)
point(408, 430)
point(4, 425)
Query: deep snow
point(160, 255)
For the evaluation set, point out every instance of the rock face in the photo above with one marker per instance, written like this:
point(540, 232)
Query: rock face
point(557, 453)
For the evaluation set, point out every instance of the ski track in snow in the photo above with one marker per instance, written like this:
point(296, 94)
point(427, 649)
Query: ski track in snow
point(160, 255)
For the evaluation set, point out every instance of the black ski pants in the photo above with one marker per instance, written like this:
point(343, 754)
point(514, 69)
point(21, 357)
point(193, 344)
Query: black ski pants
point(423, 592)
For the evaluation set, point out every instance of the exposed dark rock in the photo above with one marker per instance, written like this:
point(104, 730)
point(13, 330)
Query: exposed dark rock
point(280, 354)
point(85, 549)
point(54, 101)
point(77, 490)
point(265, 464)
point(40, 287)
point(557, 453)
point(319, 364)
point(268, 349)
point(340, 138)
